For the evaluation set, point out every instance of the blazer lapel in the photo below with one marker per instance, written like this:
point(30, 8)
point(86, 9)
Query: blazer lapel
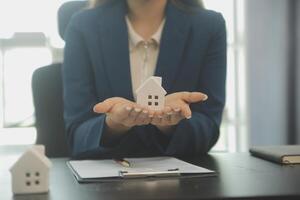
point(172, 45)
point(115, 49)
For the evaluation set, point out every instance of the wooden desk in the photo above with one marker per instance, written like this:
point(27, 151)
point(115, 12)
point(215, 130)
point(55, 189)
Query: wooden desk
point(240, 177)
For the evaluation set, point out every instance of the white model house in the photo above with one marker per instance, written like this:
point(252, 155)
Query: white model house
point(151, 93)
point(30, 174)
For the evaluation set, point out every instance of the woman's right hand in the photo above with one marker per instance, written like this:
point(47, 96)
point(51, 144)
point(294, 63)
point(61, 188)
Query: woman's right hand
point(122, 114)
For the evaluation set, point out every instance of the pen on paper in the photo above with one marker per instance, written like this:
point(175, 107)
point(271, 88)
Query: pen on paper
point(175, 169)
point(123, 162)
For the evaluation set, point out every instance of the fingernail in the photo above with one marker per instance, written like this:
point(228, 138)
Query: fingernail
point(128, 108)
point(205, 97)
point(145, 111)
point(160, 116)
point(169, 113)
point(137, 110)
point(150, 116)
point(177, 109)
point(189, 117)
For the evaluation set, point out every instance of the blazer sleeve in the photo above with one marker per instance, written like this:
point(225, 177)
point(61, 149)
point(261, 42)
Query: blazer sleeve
point(198, 134)
point(84, 128)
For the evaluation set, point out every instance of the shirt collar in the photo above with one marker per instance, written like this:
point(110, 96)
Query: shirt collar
point(135, 38)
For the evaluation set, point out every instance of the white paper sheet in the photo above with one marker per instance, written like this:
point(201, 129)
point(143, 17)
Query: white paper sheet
point(87, 169)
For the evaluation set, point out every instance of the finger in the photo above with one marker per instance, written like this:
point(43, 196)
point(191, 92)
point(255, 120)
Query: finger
point(158, 113)
point(166, 120)
point(102, 107)
point(176, 109)
point(176, 116)
point(150, 116)
point(128, 109)
point(142, 117)
point(151, 113)
point(107, 105)
point(135, 113)
point(120, 113)
point(157, 117)
point(167, 110)
point(130, 119)
point(193, 97)
point(147, 120)
point(186, 111)
point(157, 120)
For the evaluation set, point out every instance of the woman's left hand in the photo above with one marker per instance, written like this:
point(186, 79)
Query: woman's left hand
point(176, 108)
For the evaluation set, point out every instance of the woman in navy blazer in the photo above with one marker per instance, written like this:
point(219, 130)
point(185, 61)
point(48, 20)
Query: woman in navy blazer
point(192, 57)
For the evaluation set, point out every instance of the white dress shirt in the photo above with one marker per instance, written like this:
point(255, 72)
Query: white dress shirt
point(143, 55)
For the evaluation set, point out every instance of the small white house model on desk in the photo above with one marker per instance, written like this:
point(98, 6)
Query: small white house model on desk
point(151, 93)
point(30, 174)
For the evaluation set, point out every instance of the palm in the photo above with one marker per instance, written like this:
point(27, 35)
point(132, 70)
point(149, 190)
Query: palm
point(111, 104)
point(123, 111)
point(128, 113)
point(181, 100)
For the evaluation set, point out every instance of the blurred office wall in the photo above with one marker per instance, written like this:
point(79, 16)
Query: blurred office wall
point(271, 62)
point(297, 122)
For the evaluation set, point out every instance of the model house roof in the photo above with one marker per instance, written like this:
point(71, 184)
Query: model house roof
point(36, 152)
point(155, 82)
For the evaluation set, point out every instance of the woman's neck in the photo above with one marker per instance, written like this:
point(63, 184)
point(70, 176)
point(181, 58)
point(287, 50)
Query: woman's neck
point(146, 15)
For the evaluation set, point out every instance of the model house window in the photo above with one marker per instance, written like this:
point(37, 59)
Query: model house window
point(151, 101)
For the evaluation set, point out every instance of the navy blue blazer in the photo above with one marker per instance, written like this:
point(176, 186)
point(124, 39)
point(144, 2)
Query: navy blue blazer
point(96, 66)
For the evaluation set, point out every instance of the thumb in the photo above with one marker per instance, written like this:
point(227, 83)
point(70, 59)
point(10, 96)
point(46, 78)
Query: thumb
point(193, 97)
